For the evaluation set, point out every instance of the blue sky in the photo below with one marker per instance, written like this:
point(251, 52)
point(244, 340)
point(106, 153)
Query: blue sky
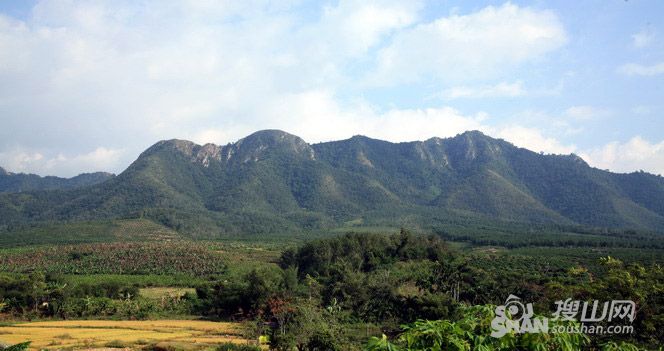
point(87, 85)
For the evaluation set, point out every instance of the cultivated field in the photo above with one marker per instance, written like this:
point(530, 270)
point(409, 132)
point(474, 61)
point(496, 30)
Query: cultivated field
point(100, 333)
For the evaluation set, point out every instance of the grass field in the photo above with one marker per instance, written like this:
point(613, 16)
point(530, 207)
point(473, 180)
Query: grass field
point(99, 333)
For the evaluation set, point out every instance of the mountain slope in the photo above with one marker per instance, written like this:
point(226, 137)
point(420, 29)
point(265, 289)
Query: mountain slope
point(272, 181)
point(18, 182)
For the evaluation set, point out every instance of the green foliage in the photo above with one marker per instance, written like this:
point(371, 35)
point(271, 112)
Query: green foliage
point(336, 293)
point(380, 344)
point(274, 182)
point(247, 296)
point(127, 230)
point(366, 273)
point(17, 347)
point(138, 281)
point(20, 182)
point(116, 258)
point(516, 235)
point(471, 332)
point(237, 347)
point(362, 252)
point(303, 325)
point(36, 295)
point(622, 346)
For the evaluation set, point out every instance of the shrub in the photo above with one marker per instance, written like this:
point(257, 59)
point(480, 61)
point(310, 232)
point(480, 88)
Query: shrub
point(229, 346)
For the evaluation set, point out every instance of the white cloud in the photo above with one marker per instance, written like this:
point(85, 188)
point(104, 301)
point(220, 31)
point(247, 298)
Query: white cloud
point(643, 38)
point(77, 75)
point(479, 44)
point(317, 116)
point(636, 154)
point(362, 24)
point(26, 161)
point(98, 159)
point(502, 89)
point(533, 139)
point(635, 69)
point(82, 75)
point(19, 160)
point(585, 112)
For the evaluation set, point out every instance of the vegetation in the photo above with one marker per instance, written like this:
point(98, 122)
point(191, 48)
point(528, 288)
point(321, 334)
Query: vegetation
point(13, 182)
point(334, 293)
point(470, 333)
point(139, 230)
point(274, 182)
point(115, 258)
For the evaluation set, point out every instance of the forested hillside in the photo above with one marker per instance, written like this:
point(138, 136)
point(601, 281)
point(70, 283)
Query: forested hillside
point(19, 182)
point(275, 182)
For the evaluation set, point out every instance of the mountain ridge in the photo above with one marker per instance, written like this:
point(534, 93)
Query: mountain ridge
point(273, 181)
point(19, 182)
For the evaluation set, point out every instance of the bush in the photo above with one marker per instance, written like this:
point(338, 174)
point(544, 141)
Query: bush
point(229, 346)
point(17, 347)
point(116, 344)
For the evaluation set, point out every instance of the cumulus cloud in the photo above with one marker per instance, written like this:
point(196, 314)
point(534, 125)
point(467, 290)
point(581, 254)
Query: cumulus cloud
point(479, 44)
point(78, 75)
point(635, 69)
point(533, 139)
point(317, 115)
point(113, 77)
point(119, 75)
point(361, 25)
point(26, 161)
point(635, 154)
point(334, 121)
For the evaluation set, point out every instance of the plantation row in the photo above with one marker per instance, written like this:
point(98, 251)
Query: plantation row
point(115, 258)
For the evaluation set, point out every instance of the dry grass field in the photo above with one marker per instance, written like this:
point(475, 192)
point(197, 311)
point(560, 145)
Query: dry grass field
point(99, 333)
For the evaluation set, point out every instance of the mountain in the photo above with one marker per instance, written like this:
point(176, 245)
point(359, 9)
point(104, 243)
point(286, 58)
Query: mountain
point(275, 182)
point(19, 182)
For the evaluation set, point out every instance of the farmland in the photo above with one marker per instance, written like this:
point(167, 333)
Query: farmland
point(115, 258)
point(340, 290)
point(94, 333)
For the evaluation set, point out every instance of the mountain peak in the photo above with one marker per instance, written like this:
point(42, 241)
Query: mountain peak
point(3, 172)
point(184, 146)
point(474, 135)
point(472, 145)
point(262, 140)
point(270, 135)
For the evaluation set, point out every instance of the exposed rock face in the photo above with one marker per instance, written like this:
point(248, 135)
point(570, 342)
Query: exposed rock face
point(207, 153)
point(249, 149)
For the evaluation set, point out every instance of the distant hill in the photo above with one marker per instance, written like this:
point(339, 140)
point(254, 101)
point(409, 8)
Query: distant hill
point(275, 182)
point(19, 182)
